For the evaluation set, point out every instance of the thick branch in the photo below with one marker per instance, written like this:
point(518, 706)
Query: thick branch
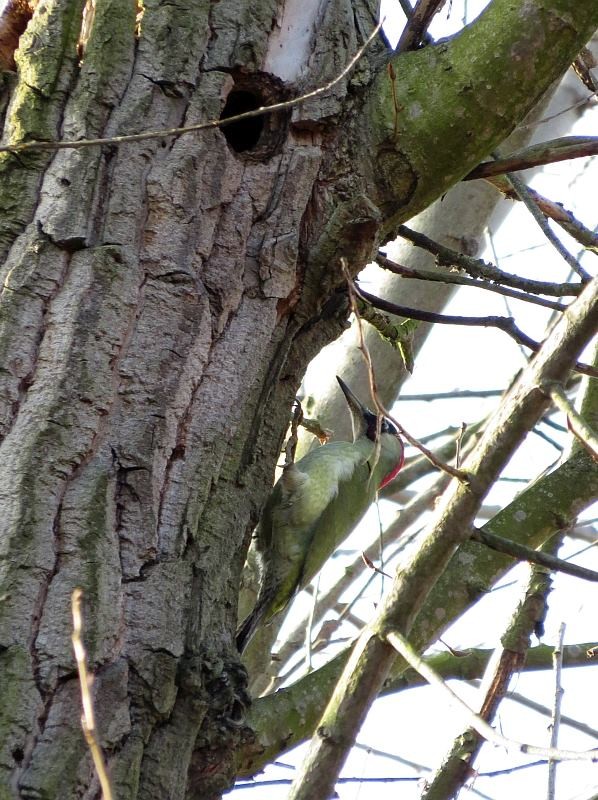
point(428, 134)
point(529, 518)
point(372, 656)
point(457, 766)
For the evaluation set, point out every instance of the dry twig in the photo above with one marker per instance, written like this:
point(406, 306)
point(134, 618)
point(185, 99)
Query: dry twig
point(460, 280)
point(555, 723)
point(528, 201)
point(475, 721)
point(478, 268)
point(21, 147)
point(85, 680)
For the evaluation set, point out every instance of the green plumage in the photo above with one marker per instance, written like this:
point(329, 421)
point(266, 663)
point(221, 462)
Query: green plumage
point(312, 509)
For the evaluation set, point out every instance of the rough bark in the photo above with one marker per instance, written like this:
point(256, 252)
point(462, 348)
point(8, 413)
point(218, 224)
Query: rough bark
point(160, 302)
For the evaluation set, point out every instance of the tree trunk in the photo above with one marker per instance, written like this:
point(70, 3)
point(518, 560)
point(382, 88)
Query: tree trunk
point(161, 300)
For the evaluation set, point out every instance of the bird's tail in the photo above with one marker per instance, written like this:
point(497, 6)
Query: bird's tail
point(245, 631)
point(250, 624)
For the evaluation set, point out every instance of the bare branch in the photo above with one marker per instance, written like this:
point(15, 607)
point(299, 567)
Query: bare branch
point(475, 721)
point(523, 553)
point(505, 324)
point(588, 100)
point(509, 659)
point(555, 211)
point(555, 723)
point(577, 423)
point(522, 192)
point(571, 722)
point(537, 155)
point(451, 277)
point(458, 394)
point(478, 268)
point(418, 23)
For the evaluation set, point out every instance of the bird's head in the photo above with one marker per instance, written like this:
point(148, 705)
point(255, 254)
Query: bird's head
point(363, 420)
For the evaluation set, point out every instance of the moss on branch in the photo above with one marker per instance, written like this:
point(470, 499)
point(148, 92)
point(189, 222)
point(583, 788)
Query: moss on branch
point(460, 98)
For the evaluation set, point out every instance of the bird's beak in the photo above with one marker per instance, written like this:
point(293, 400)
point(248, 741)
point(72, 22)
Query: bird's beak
point(356, 408)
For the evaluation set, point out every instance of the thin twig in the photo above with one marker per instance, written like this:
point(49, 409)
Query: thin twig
point(520, 189)
point(555, 211)
point(495, 256)
point(355, 292)
point(460, 474)
point(523, 553)
point(507, 660)
point(478, 268)
point(310, 624)
point(537, 432)
point(489, 733)
point(458, 394)
point(585, 101)
point(451, 277)
point(505, 324)
point(537, 155)
point(555, 723)
point(570, 722)
point(200, 126)
point(85, 680)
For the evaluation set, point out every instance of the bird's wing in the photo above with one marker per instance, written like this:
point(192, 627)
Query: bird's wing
point(311, 485)
point(346, 500)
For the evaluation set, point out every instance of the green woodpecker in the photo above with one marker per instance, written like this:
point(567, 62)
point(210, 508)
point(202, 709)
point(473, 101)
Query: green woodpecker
point(315, 505)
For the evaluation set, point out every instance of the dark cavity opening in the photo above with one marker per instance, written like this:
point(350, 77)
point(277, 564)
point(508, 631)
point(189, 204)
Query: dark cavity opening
point(245, 134)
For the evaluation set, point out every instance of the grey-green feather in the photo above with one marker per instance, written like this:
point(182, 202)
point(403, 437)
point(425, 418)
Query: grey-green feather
point(312, 509)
